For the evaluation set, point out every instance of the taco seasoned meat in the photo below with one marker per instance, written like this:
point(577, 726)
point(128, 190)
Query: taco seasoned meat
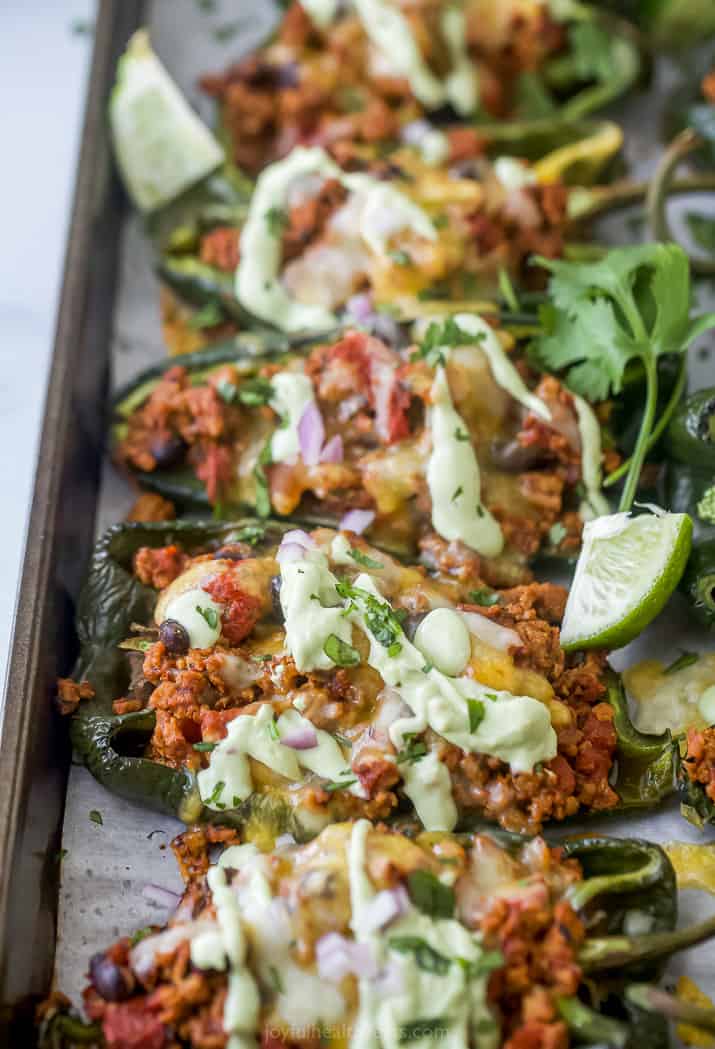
point(442, 444)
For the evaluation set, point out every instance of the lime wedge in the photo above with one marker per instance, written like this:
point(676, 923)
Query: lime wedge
point(627, 570)
point(161, 146)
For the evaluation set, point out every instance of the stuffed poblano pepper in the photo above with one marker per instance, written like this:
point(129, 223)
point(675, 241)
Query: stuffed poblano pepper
point(450, 444)
point(440, 75)
point(690, 488)
point(367, 938)
point(283, 686)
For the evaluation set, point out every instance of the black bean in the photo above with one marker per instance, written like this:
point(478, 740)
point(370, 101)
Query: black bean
point(112, 982)
point(513, 456)
point(167, 449)
point(174, 637)
point(411, 623)
point(233, 552)
point(276, 598)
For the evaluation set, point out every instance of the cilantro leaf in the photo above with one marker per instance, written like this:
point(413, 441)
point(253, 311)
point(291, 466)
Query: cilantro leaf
point(341, 653)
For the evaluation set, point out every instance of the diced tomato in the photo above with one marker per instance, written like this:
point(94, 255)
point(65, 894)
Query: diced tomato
point(564, 774)
point(215, 470)
point(241, 610)
point(132, 1025)
point(214, 722)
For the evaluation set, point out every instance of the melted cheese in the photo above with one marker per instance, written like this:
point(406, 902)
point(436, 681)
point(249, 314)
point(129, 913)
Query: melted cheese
point(669, 701)
point(379, 212)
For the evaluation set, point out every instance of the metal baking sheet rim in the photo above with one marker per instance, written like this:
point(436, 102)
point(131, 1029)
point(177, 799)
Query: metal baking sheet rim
point(34, 753)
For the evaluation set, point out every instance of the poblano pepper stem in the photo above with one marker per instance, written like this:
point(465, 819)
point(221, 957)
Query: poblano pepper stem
point(653, 999)
point(612, 952)
point(687, 142)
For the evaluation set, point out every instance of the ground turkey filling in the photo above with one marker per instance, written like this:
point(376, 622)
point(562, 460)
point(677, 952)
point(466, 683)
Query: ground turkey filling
point(699, 762)
point(323, 88)
point(197, 693)
point(375, 400)
point(171, 1004)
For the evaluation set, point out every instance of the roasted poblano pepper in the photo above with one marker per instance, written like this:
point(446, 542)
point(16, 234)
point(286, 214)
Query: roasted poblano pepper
point(111, 745)
point(445, 896)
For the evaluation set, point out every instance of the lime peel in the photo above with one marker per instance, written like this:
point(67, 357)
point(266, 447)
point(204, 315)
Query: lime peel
point(627, 570)
point(161, 145)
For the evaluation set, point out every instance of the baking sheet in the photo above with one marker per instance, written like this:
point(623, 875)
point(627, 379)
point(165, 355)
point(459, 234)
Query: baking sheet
point(106, 866)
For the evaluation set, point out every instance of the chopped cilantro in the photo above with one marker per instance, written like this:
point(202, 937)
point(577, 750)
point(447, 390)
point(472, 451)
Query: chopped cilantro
point(476, 713)
point(430, 895)
point(706, 506)
point(394, 649)
point(557, 533)
point(216, 793)
point(263, 495)
point(251, 534)
point(460, 435)
point(273, 730)
point(276, 219)
point(685, 659)
point(380, 618)
point(342, 784)
point(401, 258)
point(205, 747)
point(96, 817)
point(140, 934)
point(483, 966)
point(439, 336)
point(482, 596)
point(507, 290)
point(255, 391)
point(426, 957)
point(412, 750)
point(457, 492)
point(341, 653)
point(210, 615)
point(363, 559)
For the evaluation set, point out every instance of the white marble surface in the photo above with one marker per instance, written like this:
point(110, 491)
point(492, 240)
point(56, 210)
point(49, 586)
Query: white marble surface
point(45, 51)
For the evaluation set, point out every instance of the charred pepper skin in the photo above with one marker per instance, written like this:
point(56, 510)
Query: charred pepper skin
point(111, 745)
point(690, 476)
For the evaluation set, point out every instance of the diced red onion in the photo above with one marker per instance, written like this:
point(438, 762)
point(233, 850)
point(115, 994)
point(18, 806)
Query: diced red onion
point(337, 957)
point(290, 552)
point(357, 521)
point(160, 896)
point(301, 738)
point(414, 132)
point(311, 434)
point(297, 535)
point(360, 307)
point(390, 981)
point(333, 451)
point(384, 908)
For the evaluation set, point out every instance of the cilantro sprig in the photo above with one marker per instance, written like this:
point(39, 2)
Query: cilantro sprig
point(632, 305)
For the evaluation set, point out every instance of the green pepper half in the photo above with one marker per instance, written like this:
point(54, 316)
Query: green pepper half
point(110, 745)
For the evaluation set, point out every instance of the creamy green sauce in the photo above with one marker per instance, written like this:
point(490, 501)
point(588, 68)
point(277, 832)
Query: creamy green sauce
point(199, 615)
point(312, 611)
point(501, 365)
point(322, 12)
point(226, 946)
point(389, 31)
point(444, 640)
point(428, 786)
point(459, 1001)
point(454, 479)
point(383, 212)
point(292, 393)
point(259, 736)
point(595, 504)
point(516, 729)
